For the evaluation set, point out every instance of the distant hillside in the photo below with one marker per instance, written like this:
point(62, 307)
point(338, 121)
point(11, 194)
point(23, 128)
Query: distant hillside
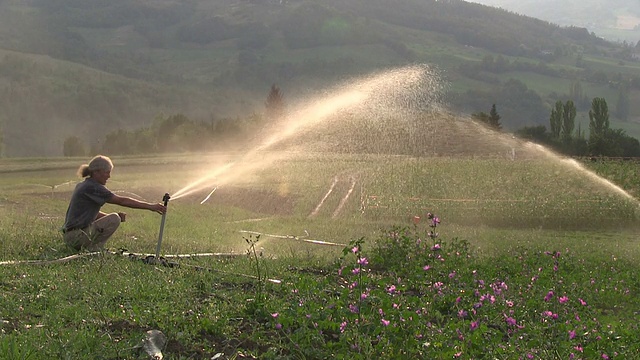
point(617, 20)
point(87, 67)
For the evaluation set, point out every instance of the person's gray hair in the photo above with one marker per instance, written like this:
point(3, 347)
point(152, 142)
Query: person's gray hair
point(99, 162)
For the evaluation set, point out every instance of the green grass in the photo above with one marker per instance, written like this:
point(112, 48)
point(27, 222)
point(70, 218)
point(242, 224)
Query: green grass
point(101, 306)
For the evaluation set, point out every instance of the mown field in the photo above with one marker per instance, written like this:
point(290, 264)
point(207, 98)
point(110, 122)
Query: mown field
point(533, 258)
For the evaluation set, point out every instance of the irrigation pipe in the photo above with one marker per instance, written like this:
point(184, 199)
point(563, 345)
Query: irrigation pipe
point(150, 259)
point(47, 262)
point(293, 237)
point(146, 258)
point(123, 253)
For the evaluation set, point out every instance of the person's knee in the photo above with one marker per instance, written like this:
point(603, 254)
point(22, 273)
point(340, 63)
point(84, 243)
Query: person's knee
point(108, 224)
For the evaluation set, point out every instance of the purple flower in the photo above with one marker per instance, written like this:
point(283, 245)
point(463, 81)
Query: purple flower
point(473, 326)
point(510, 321)
point(572, 334)
point(363, 261)
point(563, 299)
point(550, 314)
point(343, 325)
point(355, 249)
point(549, 296)
point(385, 322)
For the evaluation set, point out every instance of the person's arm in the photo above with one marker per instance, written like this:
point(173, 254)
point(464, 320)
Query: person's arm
point(137, 204)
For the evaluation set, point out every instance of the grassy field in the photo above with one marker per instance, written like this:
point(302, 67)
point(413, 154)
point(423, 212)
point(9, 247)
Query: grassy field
point(504, 222)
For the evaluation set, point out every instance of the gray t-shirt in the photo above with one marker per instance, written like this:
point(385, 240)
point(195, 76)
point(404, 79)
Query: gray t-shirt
point(86, 201)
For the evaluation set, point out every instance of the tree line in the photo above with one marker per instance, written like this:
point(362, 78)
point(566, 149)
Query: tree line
point(178, 133)
point(564, 137)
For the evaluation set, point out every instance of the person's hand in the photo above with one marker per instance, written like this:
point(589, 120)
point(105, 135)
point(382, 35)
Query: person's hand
point(159, 208)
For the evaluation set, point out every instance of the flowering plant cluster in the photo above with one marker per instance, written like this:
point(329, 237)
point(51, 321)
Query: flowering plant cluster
point(414, 296)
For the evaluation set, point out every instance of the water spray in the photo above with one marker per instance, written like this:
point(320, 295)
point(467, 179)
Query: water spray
point(164, 216)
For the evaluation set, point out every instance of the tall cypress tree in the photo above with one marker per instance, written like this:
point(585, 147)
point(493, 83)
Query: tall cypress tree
point(555, 120)
point(494, 118)
point(598, 126)
point(568, 120)
point(275, 103)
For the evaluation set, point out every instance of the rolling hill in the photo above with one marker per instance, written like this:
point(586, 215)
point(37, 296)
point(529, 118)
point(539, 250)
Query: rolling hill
point(87, 67)
point(617, 20)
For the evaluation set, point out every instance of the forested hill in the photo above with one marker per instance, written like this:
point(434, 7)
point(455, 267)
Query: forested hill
point(87, 67)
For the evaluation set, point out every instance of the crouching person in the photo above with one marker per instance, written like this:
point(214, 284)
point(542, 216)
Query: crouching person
point(85, 226)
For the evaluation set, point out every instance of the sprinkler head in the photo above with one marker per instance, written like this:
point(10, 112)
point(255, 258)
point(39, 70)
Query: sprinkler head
point(166, 199)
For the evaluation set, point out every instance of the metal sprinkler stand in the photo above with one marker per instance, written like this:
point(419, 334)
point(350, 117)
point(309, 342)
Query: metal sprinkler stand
point(164, 216)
